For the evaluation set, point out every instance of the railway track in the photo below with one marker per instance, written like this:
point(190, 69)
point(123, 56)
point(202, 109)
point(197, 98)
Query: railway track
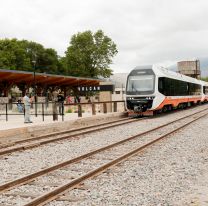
point(58, 136)
point(30, 143)
point(52, 181)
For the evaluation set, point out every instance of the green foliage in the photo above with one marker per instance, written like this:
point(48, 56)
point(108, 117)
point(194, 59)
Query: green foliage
point(204, 79)
point(13, 54)
point(89, 55)
point(20, 55)
point(69, 111)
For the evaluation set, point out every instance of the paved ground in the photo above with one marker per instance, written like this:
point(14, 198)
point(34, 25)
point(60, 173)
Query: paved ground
point(17, 121)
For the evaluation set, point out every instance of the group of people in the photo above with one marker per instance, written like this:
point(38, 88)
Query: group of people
point(57, 98)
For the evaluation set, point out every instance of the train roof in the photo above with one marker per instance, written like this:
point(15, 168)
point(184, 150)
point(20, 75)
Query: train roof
point(144, 67)
point(164, 72)
point(175, 75)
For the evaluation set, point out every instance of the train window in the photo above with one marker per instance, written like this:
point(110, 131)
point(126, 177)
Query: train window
point(160, 85)
point(205, 90)
point(173, 87)
point(194, 89)
point(141, 83)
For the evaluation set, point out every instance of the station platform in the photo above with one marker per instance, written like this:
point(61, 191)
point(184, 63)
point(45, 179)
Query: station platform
point(15, 128)
point(16, 121)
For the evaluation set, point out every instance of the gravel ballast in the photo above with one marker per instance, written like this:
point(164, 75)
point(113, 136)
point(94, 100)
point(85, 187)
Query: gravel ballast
point(160, 176)
point(22, 163)
point(173, 172)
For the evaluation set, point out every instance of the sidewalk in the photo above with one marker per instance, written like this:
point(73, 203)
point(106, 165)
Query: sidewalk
point(17, 121)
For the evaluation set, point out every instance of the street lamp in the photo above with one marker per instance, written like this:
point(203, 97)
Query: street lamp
point(34, 85)
point(34, 80)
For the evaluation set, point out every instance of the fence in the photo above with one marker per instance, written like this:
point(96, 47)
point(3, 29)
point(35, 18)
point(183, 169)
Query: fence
point(55, 108)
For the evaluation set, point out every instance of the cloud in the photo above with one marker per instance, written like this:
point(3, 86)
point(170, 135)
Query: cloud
point(145, 31)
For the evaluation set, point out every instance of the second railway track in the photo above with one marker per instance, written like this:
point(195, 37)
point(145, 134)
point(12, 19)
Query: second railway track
point(58, 136)
point(86, 166)
point(33, 142)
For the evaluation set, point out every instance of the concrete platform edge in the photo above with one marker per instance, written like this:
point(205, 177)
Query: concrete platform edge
point(36, 130)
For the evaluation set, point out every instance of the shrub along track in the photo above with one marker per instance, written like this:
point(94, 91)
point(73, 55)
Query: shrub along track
point(88, 165)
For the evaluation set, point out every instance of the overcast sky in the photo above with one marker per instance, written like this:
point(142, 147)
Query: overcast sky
point(145, 31)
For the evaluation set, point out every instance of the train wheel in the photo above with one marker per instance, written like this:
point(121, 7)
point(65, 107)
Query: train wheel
point(170, 108)
point(185, 105)
point(165, 109)
point(181, 106)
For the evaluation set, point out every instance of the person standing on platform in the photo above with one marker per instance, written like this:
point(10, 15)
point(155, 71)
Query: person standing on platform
point(19, 106)
point(77, 99)
point(54, 104)
point(68, 100)
point(27, 102)
point(60, 102)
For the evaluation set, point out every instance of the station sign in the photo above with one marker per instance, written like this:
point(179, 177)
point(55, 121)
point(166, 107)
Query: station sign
point(96, 88)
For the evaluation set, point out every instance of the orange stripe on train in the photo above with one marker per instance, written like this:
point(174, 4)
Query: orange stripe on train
point(176, 102)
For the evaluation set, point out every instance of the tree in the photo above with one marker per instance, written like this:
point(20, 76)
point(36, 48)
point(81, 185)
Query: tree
point(89, 55)
point(45, 59)
point(204, 79)
point(12, 54)
point(20, 55)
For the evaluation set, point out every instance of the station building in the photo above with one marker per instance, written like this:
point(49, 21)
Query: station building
point(14, 84)
point(22, 81)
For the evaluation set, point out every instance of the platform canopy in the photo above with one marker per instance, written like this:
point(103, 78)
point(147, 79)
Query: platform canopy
point(14, 77)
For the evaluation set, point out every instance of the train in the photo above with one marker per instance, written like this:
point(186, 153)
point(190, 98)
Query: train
point(154, 89)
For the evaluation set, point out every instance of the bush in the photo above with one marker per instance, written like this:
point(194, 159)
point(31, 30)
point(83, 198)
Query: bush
point(69, 111)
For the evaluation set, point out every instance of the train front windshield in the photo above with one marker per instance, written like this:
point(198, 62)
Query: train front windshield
point(141, 84)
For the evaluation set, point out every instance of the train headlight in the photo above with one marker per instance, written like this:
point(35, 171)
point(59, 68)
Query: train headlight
point(149, 98)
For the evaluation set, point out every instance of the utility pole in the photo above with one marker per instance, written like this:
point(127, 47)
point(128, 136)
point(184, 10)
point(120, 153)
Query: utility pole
point(34, 83)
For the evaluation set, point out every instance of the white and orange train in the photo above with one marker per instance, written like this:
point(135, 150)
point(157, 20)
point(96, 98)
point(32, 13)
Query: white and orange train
point(152, 89)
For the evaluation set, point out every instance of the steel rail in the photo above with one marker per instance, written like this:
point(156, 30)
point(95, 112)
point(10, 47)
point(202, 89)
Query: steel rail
point(39, 143)
point(54, 194)
point(29, 178)
point(6, 145)
point(30, 146)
